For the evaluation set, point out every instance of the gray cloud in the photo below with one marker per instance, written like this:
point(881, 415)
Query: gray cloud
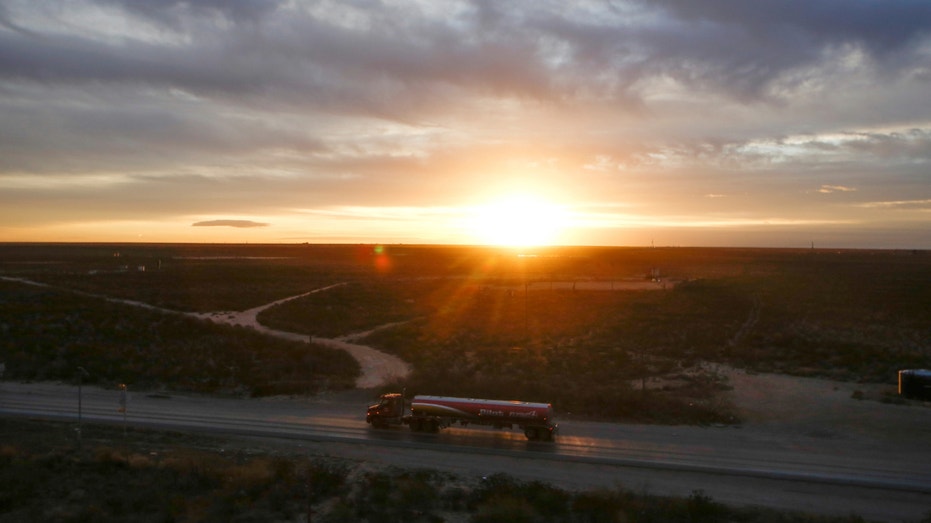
point(827, 189)
point(239, 224)
point(747, 49)
point(175, 13)
point(405, 57)
point(881, 27)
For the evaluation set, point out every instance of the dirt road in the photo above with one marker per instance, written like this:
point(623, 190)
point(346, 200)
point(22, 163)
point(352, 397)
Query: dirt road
point(377, 367)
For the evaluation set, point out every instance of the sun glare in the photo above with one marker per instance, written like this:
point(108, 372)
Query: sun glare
point(518, 221)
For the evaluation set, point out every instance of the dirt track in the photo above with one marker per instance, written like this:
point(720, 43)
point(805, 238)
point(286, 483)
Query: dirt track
point(377, 367)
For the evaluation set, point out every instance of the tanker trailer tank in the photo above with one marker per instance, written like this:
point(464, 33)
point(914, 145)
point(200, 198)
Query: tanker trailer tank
point(432, 413)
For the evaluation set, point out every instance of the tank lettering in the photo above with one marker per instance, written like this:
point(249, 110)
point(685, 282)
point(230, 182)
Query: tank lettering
point(488, 412)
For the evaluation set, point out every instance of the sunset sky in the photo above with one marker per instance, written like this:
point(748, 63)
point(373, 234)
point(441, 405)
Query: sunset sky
point(666, 122)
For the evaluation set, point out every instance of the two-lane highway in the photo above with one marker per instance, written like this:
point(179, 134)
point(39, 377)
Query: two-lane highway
point(834, 475)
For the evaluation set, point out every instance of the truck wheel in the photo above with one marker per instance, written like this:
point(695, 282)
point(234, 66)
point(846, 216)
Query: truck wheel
point(531, 433)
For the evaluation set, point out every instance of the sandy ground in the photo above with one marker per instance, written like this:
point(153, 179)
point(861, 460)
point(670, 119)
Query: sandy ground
point(829, 410)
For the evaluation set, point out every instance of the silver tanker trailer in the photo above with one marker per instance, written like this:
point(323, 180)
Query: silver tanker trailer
point(432, 413)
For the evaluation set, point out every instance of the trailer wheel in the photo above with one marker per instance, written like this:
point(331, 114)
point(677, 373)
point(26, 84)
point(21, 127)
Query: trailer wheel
point(531, 433)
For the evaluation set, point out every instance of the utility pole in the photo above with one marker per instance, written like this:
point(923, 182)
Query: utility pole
point(310, 489)
point(82, 373)
point(526, 327)
point(122, 408)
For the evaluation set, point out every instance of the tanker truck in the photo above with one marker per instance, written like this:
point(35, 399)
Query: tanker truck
point(432, 413)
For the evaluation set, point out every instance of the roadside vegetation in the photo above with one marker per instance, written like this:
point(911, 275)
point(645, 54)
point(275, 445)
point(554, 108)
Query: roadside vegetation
point(159, 476)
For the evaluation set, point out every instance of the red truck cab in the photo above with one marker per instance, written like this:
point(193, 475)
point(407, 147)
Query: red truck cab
point(388, 411)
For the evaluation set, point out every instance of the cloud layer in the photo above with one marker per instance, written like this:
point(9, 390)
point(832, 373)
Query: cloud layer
point(241, 224)
point(154, 114)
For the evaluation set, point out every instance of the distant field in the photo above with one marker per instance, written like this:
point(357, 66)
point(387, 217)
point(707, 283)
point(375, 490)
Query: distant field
point(481, 321)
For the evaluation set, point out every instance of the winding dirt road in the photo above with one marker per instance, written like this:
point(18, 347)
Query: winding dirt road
point(377, 367)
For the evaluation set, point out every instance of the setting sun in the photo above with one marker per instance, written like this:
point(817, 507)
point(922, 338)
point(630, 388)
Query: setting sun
point(518, 221)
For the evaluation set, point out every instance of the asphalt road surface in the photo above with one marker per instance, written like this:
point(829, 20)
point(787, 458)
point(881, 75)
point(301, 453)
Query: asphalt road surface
point(741, 466)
